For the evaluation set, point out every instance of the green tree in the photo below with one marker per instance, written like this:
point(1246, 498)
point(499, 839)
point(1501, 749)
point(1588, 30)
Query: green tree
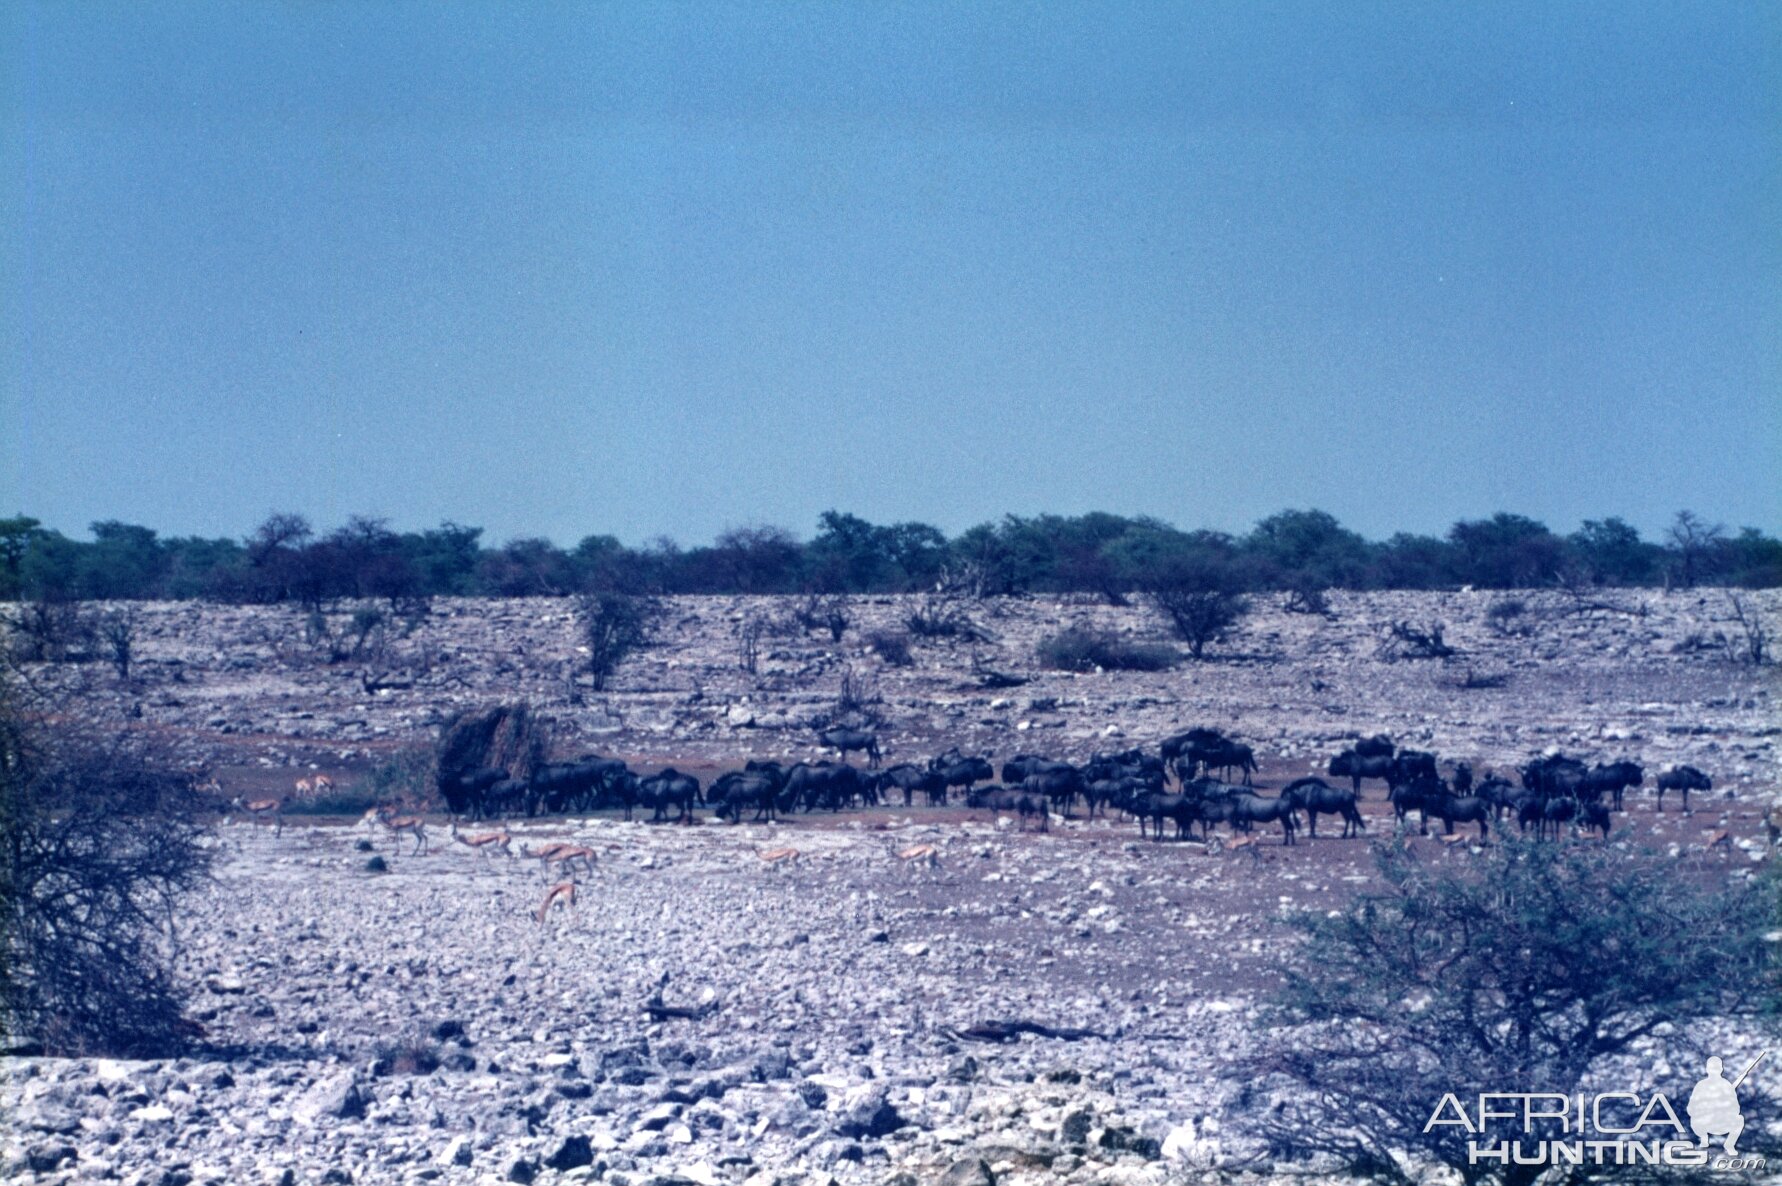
point(445, 558)
point(16, 537)
point(1506, 551)
point(1309, 548)
point(1526, 968)
point(1613, 553)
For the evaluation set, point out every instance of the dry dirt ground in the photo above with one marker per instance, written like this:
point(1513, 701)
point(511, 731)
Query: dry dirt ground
point(829, 990)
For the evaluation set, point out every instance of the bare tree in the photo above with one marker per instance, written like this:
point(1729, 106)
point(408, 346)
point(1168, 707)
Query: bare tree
point(117, 630)
point(1754, 647)
point(1695, 542)
point(97, 846)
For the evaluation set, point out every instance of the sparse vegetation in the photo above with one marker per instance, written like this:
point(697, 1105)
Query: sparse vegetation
point(1082, 648)
point(97, 846)
point(1503, 973)
point(1406, 641)
point(1509, 617)
point(893, 646)
point(940, 618)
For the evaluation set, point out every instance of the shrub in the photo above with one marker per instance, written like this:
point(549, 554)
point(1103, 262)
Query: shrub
point(97, 846)
point(1081, 648)
point(893, 646)
point(942, 619)
point(1509, 617)
point(1533, 967)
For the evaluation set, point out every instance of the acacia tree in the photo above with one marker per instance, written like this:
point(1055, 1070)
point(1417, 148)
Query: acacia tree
point(1200, 600)
point(614, 624)
point(97, 845)
point(1526, 969)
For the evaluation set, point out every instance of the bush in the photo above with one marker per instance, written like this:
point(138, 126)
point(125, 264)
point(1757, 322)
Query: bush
point(1530, 968)
point(97, 846)
point(893, 646)
point(1509, 617)
point(1081, 648)
point(941, 619)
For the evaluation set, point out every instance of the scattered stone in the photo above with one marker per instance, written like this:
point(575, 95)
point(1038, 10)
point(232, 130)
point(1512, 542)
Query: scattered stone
point(968, 1171)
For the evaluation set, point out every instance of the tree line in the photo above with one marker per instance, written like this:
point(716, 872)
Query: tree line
point(285, 559)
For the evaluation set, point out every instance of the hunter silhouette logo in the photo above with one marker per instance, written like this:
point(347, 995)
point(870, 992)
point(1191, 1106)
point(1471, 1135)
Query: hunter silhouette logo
point(1714, 1106)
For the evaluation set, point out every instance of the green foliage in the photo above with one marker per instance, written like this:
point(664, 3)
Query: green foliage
point(1082, 648)
point(1506, 552)
point(1525, 968)
point(284, 560)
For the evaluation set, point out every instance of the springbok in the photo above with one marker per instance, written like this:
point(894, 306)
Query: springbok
point(564, 855)
point(273, 809)
point(484, 841)
point(321, 784)
point(563, 892)
point(398, 824)
point(921, 854)
point(304, 788)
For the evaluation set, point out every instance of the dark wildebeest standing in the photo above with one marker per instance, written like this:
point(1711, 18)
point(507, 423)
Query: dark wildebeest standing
point(668, 789)
point(1419, 795)
point(465, 792)
point(1314, 796)
point(1594, 815)
point(1353, 766)
point(1059, 786)
point(1200, 738)
point(964, 773)
point(1025, 805)
point(1248, 809)
point(1614, 779)
point(843, 740)
point(1471, 809)
point(1685, 779)
point(910, 778)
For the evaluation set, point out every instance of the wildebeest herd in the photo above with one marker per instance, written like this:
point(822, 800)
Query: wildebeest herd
point(1185, 783)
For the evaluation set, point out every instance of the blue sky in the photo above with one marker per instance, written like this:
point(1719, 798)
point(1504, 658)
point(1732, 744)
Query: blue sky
point(663, 269)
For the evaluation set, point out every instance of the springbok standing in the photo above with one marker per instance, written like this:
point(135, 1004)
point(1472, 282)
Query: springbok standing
point(398, 824)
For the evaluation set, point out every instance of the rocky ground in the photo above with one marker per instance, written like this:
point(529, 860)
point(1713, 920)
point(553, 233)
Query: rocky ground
point(419, 1024)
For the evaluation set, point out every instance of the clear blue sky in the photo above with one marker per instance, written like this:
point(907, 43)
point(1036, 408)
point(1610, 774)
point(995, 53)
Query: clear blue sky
point(639, 269)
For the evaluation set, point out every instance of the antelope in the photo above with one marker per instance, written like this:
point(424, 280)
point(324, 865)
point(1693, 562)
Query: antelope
point(399, 824)
point(321, 784)
point(566, 856)
point(260, 809)
point(564, 892)
point(484, 841)
point(921, 854)
point(1721, 840)
point(305, 787)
